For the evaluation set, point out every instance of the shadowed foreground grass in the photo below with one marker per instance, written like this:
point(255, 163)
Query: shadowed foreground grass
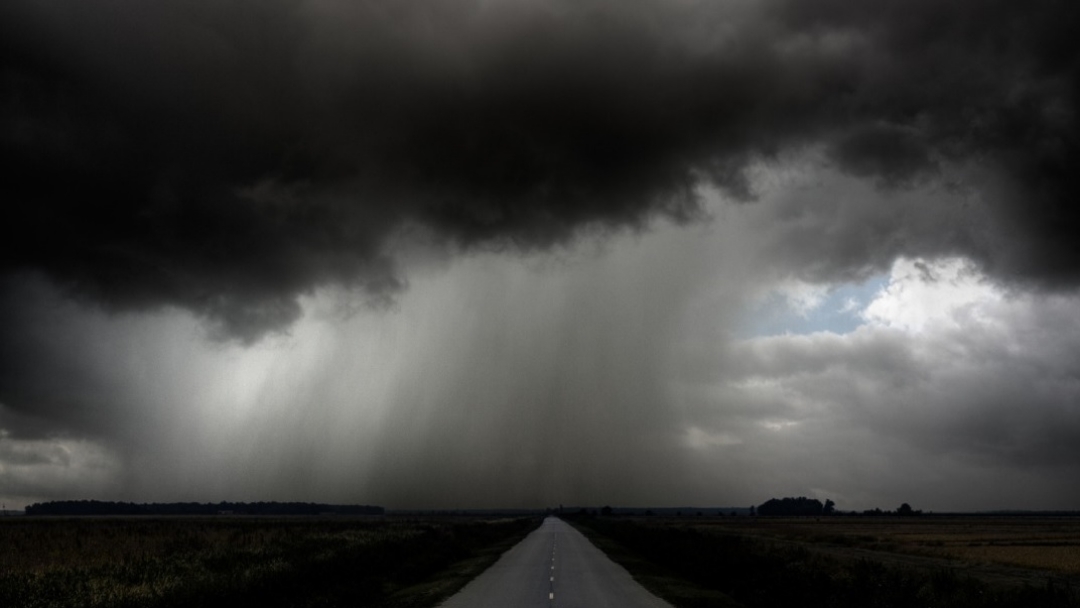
point(266, 562)
point(704, 566)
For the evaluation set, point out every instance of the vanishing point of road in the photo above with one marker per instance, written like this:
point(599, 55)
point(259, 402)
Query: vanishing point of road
point(554, 567)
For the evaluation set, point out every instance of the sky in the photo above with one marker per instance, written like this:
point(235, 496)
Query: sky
point(521, 253)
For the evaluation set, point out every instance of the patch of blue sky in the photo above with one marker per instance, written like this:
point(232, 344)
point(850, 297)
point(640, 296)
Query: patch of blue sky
point(837, 309)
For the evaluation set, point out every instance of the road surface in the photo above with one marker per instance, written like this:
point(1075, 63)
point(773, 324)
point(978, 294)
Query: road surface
point(554, 567)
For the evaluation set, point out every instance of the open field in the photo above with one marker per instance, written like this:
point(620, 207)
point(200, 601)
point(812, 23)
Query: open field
point(850, 561)
point(237, 561)
point(1051, 544)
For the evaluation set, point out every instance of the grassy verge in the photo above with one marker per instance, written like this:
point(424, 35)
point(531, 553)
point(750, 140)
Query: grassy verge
point(303, 562)
point(660, 579)
point(684, 564)
point(450, 579)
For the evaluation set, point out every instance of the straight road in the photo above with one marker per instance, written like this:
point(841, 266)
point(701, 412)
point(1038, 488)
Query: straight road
point(554, 567)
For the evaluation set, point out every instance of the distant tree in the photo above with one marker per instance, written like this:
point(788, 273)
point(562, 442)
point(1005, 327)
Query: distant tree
point(791, 506)
point(906, 510)
point(753, 510)
point(606, 511)
point(829, 508)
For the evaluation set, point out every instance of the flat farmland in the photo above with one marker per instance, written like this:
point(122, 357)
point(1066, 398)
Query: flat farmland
point(111, 562)
point(924, 560)
point(1051, 544)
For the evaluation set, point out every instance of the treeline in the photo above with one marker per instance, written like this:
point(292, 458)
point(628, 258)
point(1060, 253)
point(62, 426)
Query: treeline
point(796, 506)
point(97, 507)
point(802, 505)
point(903, 510)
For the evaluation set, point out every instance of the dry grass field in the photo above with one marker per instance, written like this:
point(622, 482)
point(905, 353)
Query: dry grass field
point(110, 562)
point(1048, 543)
point(840, 561)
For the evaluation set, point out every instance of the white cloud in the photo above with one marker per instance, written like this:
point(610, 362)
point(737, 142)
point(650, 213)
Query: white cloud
point(932, 294)
point(801, 297)
point(949, 387)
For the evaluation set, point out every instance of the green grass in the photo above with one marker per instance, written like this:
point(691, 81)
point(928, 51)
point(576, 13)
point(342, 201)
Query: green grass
point(302, 562)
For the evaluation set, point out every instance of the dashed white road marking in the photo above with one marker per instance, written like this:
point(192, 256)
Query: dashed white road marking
point(551, 579)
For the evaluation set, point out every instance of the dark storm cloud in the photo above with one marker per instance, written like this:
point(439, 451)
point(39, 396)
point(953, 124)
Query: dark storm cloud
point(894, 155)
point(225, 157)
point(52, 368)
point(988, 82)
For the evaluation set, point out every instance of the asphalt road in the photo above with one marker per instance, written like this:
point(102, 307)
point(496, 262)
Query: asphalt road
point(554, 567)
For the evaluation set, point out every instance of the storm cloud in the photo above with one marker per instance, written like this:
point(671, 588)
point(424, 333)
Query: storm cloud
point(307, 249)
point(228, 157)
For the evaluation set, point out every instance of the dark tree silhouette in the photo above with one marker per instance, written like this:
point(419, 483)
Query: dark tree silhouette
point(96, 507)
point(906, 510)
point(792, 506)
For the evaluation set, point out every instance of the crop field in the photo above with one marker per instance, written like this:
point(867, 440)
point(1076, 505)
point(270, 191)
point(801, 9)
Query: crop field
point(852, 561)
point(1046, 543)
point(239, 561)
